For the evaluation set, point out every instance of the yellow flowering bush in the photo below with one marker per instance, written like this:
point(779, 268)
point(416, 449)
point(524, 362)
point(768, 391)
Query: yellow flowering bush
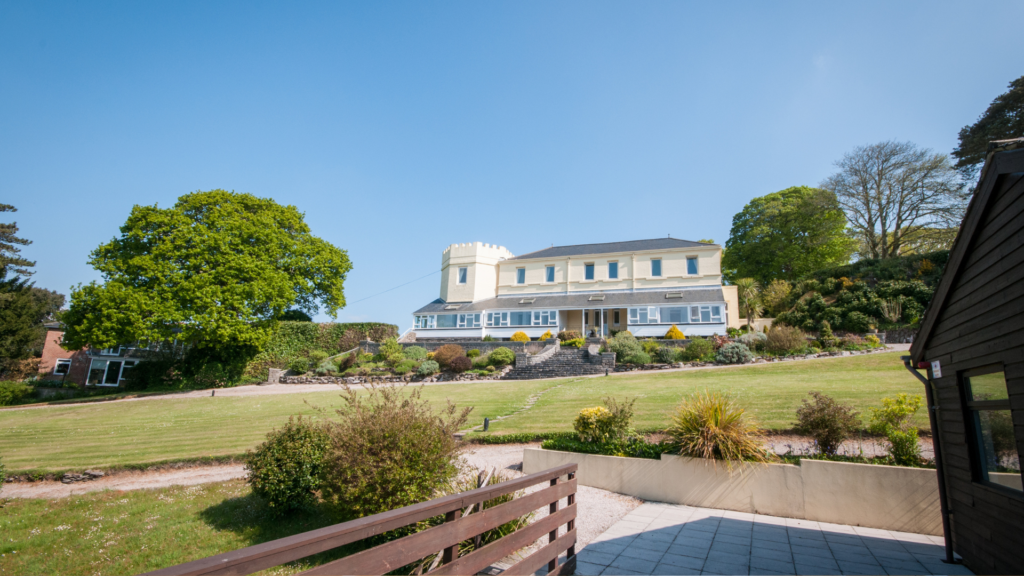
point(675, 334)
point(595, 424)
point(520, 337)
point(547, 335)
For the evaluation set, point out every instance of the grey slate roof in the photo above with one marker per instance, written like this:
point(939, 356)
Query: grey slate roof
point(608, 247)
point(580, 300)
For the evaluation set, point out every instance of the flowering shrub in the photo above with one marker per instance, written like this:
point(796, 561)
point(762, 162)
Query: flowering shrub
point(827, 421)
point(575, 342)
point(568, 335)
point(650, 347)
point(520, 336)
point(595, 424)
point(546, 335)
point(718, 341)
point(675, 334)
point(893, 420)
point(753, 340)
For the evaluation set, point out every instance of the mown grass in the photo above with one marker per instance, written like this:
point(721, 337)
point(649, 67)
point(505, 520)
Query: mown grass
point(112, 434)
point(131, 532)
point(770, 392)
point(134, 432)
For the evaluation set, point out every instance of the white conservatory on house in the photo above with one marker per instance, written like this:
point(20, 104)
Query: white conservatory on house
point(644, 286)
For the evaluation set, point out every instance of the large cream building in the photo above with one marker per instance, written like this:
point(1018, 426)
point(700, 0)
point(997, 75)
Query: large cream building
point(645, 286)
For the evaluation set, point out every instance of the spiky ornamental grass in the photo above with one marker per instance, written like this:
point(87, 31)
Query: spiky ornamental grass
point(710, 425)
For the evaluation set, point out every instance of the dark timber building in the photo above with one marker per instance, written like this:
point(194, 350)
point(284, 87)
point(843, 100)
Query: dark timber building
point(972, 343)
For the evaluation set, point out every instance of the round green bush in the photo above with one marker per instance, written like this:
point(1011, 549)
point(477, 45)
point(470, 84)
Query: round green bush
point(428, 367)
point(856, 322)
point(667, 354)
point(299, 365)
point(734, 353)
point(415, 353)
point(697, 349)
point(405, 367)
point(624, 345)
point(12, 393)
point(317, 357)
point(651, 347)
point(501, 357)
point(460, 364)
point(473, 353)
point(285, 470)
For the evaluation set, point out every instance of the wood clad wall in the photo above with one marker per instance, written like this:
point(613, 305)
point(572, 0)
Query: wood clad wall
point(982, 323)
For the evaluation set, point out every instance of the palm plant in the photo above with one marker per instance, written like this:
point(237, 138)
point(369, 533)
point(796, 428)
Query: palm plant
point(749, 293)
point(709, 425)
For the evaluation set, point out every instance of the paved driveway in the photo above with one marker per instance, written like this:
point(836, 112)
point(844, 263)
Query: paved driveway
point(666, 539)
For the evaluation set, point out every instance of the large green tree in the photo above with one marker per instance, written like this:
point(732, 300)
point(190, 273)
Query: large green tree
point(1003, 119)
point(23, 310)
point(10, 255)
point(215, 271)
point(786, 235)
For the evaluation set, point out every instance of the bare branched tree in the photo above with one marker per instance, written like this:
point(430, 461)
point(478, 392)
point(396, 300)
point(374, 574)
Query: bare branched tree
point(892, 190)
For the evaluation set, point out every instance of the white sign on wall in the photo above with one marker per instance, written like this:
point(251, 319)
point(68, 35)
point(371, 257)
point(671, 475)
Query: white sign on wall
point(936, 369)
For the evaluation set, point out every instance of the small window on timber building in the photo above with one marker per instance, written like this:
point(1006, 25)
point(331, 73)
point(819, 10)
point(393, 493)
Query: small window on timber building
point(996, 461)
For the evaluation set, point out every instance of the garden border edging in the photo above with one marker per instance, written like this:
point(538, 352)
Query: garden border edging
point(869, 495)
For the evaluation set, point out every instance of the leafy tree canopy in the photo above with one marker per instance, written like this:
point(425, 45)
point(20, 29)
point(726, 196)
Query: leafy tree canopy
point(9, 251)
point(786, 235)
point(215, 270)
point(295, 316)
point(23, 309)
point(1003, 119)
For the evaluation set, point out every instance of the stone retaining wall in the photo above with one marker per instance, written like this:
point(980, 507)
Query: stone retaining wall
point(386, 379)
point(870, 495)
point(483, 347)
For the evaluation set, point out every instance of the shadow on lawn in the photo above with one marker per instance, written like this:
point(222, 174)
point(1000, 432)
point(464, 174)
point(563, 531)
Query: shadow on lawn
point(249, 517)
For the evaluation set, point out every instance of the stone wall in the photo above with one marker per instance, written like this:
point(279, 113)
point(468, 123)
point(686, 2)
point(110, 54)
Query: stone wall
point(483, 347)
point(389, 378)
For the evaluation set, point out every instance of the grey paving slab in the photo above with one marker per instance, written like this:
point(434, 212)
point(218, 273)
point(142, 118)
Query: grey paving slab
point(663, 539)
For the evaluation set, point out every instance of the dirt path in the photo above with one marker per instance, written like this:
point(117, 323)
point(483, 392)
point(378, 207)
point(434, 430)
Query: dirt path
point(125, 481)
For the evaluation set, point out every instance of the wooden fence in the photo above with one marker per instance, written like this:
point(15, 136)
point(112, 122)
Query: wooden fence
point(446, 537)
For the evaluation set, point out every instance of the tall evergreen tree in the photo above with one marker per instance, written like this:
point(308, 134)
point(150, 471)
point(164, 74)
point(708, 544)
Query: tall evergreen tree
point(1003, 119)
point(9, 251)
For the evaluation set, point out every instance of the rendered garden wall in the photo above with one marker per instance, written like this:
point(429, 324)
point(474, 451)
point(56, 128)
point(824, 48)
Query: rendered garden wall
point(886, 497)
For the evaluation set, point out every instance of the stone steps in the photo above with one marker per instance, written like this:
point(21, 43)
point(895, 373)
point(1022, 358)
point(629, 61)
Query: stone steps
point(564, 363)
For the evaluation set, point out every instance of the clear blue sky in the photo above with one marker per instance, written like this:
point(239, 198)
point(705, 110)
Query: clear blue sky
point(402, 127)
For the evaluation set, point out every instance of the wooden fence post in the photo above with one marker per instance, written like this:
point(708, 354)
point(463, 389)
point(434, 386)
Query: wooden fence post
point(553, 535)
point(570, 500)
point(451, 552)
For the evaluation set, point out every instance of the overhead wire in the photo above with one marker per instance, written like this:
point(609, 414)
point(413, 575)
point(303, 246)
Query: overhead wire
point(390, 289)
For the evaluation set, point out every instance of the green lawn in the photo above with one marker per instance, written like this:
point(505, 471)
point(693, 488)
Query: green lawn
point(107, 434)
point(130, 532)
point(112, 433)
point(771, 392)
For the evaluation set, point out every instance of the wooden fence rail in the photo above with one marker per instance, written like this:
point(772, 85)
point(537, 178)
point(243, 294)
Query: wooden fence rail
point(445, 537)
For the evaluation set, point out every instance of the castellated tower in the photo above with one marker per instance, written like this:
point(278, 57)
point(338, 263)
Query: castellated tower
point(469, 272)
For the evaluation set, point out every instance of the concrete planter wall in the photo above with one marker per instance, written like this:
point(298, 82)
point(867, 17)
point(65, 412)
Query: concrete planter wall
point(886, 497)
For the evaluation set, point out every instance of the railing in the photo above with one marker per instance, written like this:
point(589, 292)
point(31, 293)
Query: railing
point(445, 538)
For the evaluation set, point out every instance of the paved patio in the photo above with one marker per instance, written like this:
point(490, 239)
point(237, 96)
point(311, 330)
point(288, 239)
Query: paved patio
point(667, 539)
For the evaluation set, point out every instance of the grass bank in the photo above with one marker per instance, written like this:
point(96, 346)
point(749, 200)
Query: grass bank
point(142, 530)
point(137, 432)
point(770, 392)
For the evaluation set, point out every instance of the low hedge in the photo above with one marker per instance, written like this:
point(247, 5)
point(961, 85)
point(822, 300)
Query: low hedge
point(633, 448)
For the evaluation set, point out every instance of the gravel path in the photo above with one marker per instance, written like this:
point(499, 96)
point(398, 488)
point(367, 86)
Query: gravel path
point(597, 509)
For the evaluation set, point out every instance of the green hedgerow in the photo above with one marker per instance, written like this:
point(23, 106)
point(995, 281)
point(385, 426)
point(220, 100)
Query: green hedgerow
point(285, 470)
point(12, 393)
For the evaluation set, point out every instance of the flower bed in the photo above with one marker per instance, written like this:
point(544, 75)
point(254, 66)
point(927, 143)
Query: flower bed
point(757, 360)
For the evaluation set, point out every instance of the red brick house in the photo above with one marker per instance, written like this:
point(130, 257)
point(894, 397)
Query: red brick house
point(85, 367)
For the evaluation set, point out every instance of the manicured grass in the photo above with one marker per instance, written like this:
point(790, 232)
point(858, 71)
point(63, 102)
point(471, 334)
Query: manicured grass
point(131, 532)
point(109, 434)
point(770, 392)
